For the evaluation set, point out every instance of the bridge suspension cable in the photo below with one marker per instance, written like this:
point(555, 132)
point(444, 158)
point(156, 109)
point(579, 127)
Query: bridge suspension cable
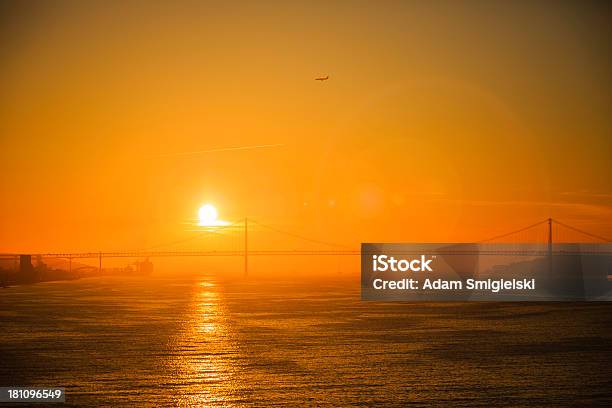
point(212, 231)
point(239, 245)
point(315, 241)
point(588, 234)
point(514, 232)
point(180, 241)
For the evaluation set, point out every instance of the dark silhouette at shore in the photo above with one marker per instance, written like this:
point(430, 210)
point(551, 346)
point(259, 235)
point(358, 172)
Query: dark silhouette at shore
point(21, 270)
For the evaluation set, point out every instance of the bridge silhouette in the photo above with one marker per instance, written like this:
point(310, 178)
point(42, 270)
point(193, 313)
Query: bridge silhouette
point(537, 239)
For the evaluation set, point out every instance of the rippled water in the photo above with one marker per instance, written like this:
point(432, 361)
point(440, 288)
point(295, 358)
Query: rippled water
point(206, 341)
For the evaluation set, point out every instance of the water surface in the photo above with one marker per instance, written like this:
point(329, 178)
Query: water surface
point(208, 341)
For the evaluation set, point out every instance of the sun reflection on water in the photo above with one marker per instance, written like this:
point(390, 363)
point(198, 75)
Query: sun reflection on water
point(205, 351)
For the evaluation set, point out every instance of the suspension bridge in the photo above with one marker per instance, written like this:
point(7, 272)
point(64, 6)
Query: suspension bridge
point(537, 239)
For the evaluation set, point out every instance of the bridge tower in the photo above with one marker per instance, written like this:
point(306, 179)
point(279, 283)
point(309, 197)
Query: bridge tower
point(550, 248)
point(246, 247)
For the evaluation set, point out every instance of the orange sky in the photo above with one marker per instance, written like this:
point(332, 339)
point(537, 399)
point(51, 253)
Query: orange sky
point(440, 122)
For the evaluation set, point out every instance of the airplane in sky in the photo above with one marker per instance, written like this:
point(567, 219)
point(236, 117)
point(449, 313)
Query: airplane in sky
point(325, 78)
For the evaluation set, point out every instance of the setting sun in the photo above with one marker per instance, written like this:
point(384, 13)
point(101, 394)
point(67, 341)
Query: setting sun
point(207, 216)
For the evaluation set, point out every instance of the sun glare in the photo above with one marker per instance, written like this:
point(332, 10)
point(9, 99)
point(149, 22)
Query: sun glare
point(207, 216)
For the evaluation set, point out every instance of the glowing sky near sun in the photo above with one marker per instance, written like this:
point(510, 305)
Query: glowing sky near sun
point(440, 121)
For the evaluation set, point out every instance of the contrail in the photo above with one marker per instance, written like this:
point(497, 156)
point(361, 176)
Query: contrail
point(223, 149)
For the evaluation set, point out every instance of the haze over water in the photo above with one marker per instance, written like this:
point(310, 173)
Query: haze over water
point(205, 340)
